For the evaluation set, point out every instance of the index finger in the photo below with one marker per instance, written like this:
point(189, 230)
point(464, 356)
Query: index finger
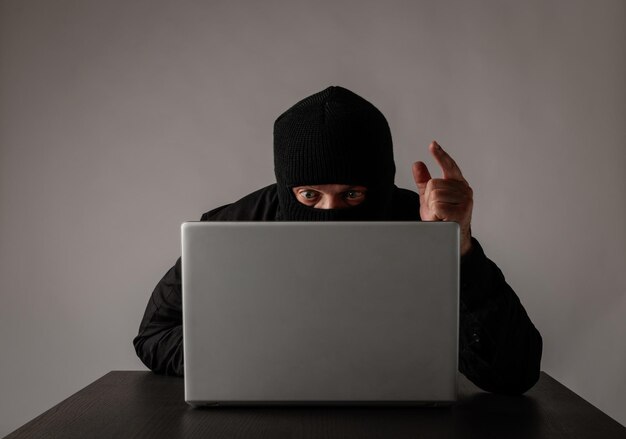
point(449, 167)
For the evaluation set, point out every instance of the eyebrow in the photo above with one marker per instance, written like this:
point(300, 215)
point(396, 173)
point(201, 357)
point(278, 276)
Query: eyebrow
point(348, 187)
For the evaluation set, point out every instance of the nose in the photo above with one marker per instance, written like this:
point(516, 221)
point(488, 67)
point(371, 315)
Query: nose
point(331, 202)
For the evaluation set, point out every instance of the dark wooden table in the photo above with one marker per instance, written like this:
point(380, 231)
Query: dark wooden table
point(144, 405)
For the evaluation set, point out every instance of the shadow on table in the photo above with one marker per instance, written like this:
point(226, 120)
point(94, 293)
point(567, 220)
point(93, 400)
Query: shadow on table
point(485, 415)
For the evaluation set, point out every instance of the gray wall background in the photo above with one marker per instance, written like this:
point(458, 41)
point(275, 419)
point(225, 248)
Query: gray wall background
point(120, 120)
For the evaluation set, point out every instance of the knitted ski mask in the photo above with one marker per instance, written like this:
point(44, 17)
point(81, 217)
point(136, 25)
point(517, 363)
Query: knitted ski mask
point(334, 137)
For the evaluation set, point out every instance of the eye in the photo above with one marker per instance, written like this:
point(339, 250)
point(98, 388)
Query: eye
point(354, 195)
point(308, 194)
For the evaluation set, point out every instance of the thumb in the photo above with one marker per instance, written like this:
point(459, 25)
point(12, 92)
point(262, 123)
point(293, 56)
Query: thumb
point(421, 176)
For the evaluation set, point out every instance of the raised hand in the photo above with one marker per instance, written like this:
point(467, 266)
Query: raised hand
point(445, 199)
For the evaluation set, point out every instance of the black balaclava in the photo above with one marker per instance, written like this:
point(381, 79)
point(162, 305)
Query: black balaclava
point(334, 137)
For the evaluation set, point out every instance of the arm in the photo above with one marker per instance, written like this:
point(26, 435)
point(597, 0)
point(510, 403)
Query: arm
point(499, 347)
point(159, 343)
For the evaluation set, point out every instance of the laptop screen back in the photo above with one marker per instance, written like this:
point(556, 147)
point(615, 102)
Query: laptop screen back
point(320, 312)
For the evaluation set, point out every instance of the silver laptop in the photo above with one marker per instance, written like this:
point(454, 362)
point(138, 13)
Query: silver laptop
point(320, 312)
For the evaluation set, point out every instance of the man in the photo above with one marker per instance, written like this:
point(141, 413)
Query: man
point(333, 160)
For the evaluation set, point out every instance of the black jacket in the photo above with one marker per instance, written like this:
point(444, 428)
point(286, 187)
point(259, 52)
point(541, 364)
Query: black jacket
point(499, 347)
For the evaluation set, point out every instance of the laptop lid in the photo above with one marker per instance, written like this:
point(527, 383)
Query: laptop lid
point(320, 312)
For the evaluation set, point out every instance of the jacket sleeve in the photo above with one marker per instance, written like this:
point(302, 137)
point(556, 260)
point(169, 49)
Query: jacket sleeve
point(159, 343)
point(499, 347)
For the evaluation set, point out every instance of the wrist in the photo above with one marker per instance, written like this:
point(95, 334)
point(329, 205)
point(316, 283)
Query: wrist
point(466, 247)
point(466, 241)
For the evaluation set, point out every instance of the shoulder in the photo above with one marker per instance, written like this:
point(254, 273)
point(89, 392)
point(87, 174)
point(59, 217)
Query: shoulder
point(405, 205)
point(260, 205)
